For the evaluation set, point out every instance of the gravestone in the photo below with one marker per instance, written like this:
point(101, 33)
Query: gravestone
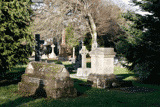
point(63, 50)
point(79, 59)
point(102, 68)
point(52, 55)
point(52, 80)
point(37, 47)
point(44, 56)
point(73, 59)
point(83, 71)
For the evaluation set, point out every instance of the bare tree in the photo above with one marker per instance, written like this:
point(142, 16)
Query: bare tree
point(96, 17)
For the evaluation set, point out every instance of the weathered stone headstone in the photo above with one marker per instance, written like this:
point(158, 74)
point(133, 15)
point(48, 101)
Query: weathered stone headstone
point(83, 71)
point(63, 50)
point(37, 48)
point(51, 79)
point(102, 68)
point(73, 59)
point(52, 55)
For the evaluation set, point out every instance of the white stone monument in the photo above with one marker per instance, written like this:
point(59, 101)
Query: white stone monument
point(102, 68)
point(83, 71)
point(102, 60)
point(52, 55)
point(44, 56)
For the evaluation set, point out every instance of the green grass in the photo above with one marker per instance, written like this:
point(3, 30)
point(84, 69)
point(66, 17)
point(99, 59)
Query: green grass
point(87, 96)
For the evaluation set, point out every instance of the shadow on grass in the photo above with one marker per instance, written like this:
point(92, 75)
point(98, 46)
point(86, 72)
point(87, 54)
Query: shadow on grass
point(17, 102)
point(12, 77)
point(81, 89)
point(123, 76)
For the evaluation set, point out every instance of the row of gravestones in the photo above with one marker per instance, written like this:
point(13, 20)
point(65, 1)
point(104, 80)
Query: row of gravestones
point(42, 55)
point(53, 80)
point(38, 57)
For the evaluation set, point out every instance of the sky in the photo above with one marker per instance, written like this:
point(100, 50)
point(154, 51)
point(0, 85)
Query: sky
point(128, 6)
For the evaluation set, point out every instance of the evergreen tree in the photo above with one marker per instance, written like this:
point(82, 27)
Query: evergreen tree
point(14, 33)
point(142, 48)
point(71, 40)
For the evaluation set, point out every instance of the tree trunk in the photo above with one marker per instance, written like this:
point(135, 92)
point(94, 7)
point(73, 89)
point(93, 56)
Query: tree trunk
point(93, 32)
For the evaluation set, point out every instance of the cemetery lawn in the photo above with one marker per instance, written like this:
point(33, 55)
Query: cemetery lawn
point(141, 95)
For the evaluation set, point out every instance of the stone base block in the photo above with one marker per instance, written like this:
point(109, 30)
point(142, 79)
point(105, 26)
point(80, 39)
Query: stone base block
point(83, 71)
point(102, 80)
point(28, 89)
point(52, 55)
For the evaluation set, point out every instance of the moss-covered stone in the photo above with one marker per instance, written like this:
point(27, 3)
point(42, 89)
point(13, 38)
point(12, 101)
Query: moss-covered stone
point(52, 79)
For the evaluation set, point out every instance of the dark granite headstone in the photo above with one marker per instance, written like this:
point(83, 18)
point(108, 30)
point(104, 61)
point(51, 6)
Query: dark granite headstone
point(37, 47)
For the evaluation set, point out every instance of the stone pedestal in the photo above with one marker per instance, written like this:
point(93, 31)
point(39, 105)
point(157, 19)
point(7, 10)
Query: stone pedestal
point(83, 71)
point(102, 60)
point(102, 80)
point(102, 68)
point(48, 80)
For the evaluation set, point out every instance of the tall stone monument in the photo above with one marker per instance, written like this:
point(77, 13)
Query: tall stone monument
point(102, 68)
point(63, 50)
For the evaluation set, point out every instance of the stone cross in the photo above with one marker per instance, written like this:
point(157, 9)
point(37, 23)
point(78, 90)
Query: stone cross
point(83, 52)
point(37, 47)
point(52, 55)
point(73, 52)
